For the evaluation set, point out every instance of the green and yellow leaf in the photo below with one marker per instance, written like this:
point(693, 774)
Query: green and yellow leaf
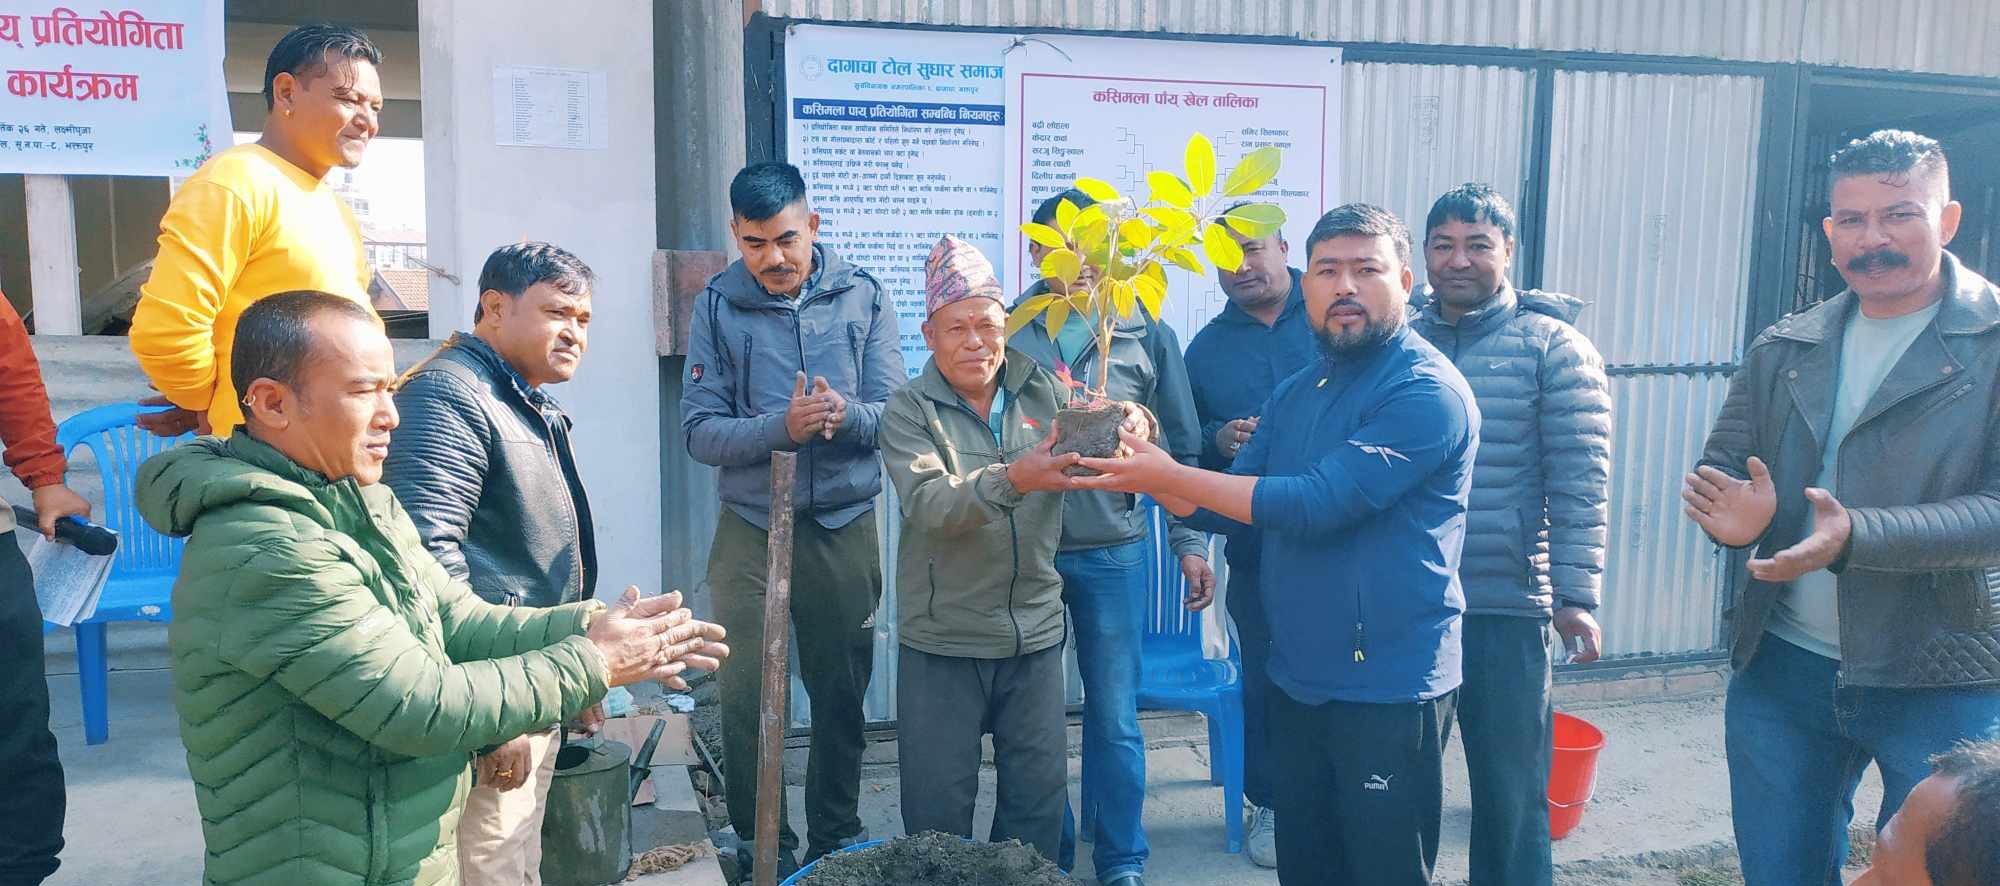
point(1136, 233)
point(1184, 258)
point(1044, 235)
point(1098, 189)
point(1253, 172)
point(1222, 249)
point(1125, 298)
point(1062, 264)
point(1092, 235)
point(1152, 292)
point(1090, 215)
point(1171, 219)
point(1058, 314)
point(1169, 189)
point(1024, 313)
point(1256, 219)
point(1066, 213)
point(1200, 158)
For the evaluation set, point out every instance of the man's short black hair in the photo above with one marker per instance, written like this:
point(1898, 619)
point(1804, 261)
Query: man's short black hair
point(513, 268)
point(306, 50)
point(1473, 203)
point(1891, 153)
point(1045, 214)
point(1363, 220)
point(274, 337)
point(1966, 847)
point(763, 190)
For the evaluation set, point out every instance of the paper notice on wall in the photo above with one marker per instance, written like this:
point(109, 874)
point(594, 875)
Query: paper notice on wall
point(550, 108)
point(898, 135)
point(1116, 109)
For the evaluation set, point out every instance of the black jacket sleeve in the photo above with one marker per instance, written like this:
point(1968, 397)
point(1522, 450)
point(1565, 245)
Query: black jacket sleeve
point(438, 461)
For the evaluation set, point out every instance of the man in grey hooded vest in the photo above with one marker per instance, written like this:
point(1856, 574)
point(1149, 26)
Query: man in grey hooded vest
point(794, 349)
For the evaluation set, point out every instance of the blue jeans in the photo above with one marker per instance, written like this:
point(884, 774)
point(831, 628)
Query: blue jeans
point(1105, 589)
point(1798, 742)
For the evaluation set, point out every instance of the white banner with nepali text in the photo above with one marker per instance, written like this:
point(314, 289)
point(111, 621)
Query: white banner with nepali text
point(131, 90)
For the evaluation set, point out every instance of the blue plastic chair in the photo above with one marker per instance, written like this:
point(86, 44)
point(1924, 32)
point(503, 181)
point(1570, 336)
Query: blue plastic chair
point(1178, 677)
point(140, 587)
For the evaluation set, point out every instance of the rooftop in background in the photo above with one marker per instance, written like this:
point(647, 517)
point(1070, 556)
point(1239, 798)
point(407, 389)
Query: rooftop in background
point(400, 289)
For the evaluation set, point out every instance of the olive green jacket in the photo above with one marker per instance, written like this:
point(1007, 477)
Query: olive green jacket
point(976, 561)
point(332, 681)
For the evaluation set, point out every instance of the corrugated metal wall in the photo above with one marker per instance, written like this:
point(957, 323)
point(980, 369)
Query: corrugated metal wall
point(1651, 188)
point(1410, 132)
point(1662, 577)
point(1651, 191)
point(1943, 36)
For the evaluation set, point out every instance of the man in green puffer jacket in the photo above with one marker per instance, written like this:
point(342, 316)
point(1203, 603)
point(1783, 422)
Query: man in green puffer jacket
point(332, 681)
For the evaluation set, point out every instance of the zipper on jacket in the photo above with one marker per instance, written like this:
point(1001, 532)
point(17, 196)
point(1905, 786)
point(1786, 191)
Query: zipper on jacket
point(1360, 631)
point(1013, 538)
point(569, 500)
point(930, 606)
point(378, 825)
point(1014, 545)
point(799, 339)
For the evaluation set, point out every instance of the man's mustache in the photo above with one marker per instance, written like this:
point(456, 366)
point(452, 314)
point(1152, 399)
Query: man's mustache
point(1345, 303)
point(1880, 259)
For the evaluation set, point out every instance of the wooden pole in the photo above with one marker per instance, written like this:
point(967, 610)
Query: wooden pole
point(776, 662)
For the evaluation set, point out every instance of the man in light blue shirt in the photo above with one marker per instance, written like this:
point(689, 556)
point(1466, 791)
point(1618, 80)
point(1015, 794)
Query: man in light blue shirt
point(1808, 614)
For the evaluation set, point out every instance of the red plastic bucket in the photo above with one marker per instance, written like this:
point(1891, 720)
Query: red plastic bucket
point(1572, 772)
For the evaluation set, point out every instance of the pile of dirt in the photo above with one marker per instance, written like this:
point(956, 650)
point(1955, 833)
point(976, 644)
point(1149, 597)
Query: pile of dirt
point(934, 859)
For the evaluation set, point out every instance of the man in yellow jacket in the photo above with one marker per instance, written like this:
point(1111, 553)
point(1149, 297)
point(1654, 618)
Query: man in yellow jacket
point(259, 219)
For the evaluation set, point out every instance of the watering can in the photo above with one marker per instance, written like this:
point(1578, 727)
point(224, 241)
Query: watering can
point(587, 833)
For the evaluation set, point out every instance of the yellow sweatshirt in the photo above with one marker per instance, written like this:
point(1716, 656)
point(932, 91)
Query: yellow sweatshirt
point(247, 225)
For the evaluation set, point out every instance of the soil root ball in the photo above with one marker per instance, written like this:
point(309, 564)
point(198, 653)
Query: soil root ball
point(1091, 430)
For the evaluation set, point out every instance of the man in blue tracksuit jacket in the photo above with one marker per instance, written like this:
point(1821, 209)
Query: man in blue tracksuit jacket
point(1358, 476)
point(1234, 363)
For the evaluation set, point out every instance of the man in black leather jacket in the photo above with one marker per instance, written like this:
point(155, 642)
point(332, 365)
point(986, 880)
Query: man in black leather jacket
point(482, 462)
point(1858, 452)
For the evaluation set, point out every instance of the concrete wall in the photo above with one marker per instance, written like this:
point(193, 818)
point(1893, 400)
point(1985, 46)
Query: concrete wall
point(598, 203)
point(698, 71)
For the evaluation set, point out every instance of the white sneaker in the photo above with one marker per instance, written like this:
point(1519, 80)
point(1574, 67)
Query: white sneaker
point(1263, 837)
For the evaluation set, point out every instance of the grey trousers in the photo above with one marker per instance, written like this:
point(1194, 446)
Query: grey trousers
point(944, 704)
point(836, 582)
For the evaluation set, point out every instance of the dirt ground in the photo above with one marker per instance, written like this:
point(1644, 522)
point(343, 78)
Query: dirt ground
point(1660, 815)
point(938, 859)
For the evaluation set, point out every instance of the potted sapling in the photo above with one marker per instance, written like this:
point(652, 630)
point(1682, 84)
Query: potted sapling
point(1107, 260)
